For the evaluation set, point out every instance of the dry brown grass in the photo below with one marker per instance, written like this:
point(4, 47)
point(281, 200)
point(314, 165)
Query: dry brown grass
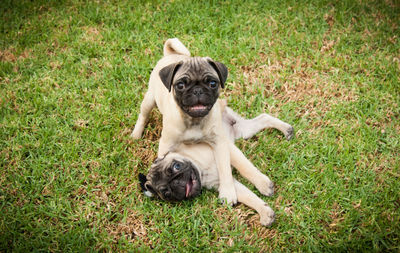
point(91, 34)
point(295, 81)
point(141, 149)
point(10, 55)
point(130, 228)
point(301, 84)
point(252, 220)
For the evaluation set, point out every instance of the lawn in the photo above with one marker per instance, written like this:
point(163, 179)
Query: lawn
point(73, 74)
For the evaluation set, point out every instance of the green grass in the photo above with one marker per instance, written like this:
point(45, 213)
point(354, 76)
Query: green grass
point(73, 74)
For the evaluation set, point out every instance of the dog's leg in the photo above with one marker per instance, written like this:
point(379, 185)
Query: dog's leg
point(246, 128)
point(247, 197)
point(165, 145)
point(226, 188)
point(147, 105)
point(250, 172)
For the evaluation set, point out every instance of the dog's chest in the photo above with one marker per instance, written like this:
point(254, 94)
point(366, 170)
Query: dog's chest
point(192, 135)
point(196, 134)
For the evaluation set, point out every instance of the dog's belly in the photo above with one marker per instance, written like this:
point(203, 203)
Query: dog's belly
point(204, 158)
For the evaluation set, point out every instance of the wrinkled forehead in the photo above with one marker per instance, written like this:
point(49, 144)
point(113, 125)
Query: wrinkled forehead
point(194, 68)
point(157, 169)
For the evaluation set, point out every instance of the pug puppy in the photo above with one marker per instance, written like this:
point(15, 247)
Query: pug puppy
point(185, 90)
point(181, 174)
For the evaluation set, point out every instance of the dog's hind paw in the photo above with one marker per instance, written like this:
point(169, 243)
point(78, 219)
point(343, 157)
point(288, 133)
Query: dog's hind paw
point(267, 216)
point(264, 185)
point(289, 133)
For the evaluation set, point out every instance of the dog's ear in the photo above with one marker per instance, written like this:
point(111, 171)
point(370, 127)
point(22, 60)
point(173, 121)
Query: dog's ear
point(167, 74)
point(221, 69)
point(142, 181)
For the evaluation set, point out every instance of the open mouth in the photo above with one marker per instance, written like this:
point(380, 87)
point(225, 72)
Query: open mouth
point(198, 108)
point(190, 186)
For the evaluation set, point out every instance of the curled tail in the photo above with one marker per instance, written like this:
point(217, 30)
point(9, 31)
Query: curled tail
point(175, 46)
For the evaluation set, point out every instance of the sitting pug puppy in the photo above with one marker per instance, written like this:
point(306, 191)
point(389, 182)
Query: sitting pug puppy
point(185, 90)
point(181, 174)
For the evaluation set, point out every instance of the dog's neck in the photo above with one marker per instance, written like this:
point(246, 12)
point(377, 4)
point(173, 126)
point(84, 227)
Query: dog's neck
point(191, 122)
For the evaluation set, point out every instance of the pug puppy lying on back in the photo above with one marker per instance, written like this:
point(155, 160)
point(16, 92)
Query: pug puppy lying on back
point(185, 90)
point(180, 175)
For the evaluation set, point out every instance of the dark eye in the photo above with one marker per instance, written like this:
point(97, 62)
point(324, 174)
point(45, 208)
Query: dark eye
point(180, 85)
point(213, 84)
point(177, 166)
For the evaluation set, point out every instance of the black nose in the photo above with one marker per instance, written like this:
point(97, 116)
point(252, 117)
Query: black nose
point(197, 91)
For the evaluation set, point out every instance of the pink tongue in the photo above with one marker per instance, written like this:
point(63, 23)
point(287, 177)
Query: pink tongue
point(198, 107)
point(188, 188)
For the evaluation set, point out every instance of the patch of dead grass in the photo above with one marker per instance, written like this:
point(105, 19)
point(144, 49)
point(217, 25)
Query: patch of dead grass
point(141, 149)
point(81, 124)
point(130, 228)
point(10, 55)
point(142, 152)
point(329, 18)
point(251, 219)
point(337, 216)
point(327, 45)
point(294, 80)
point(98, 195)
point(91, 34)
point(154, 127)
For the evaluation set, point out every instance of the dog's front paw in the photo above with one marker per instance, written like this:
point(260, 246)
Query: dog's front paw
point(289, 132)
point(267, 216)
point(136, 134)
point(227, 195)
point(264, 185)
